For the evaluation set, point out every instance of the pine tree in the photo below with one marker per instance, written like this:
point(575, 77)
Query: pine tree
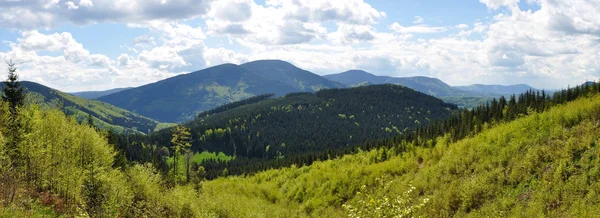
point(13, 92)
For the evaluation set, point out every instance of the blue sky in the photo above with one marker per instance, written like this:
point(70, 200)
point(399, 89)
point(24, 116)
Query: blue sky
point(99, 44)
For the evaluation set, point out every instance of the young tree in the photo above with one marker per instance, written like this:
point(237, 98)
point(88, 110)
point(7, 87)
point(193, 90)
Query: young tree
point(13, 92)
point(181, 143)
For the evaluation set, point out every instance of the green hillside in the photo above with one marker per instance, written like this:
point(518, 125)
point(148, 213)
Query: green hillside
point(542, 165)
point(512, 162)
point(105, 116)
point(182, 97)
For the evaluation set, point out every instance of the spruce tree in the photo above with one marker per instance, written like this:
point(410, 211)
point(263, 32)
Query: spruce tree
point(13, 92)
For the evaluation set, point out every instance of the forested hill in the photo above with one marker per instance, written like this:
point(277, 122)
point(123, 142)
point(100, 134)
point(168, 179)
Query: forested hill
point(182, 97)
point(539, 165)
point(106, 116)
point(310, 122)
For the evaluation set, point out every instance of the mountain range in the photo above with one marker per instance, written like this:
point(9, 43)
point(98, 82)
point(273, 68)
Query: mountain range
point(180, 98)
point(428, 85)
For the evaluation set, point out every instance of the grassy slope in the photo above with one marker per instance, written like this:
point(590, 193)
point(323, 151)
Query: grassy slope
point(541, 165)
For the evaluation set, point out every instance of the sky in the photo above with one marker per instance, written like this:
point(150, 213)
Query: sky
point(82, 45)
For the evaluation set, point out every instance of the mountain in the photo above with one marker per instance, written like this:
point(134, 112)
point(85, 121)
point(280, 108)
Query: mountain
point(182, 97)
point(105, 115)
point(300, 123)
point(97, 94)
point(427, 85)
point(291, 75)
point(496, 89)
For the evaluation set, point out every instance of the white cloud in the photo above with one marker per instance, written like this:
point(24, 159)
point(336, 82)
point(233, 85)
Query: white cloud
point(347, 33)
point(416, 29)
point(143, 41)
point(462, 26)
point(287, 21)
point(33, 14)
point(72, 5)
point(86, 3)
point(495, 4)
point(418, 20)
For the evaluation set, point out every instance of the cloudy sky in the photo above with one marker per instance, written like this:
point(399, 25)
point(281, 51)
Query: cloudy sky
point(76, 45)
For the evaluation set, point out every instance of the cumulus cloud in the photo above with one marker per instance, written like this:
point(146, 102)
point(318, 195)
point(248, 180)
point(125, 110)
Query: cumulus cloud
point(288, 21)
point(352, 34)
point(32, 14)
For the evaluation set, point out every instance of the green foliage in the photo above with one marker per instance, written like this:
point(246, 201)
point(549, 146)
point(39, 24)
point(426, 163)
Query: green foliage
point(542, 165)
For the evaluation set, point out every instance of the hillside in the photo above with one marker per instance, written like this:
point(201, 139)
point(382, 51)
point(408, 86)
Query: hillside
point(542, 165)
point(180, 98)
point(536, 157)
point(106, 116)
point(301, 123)
point(97, 94)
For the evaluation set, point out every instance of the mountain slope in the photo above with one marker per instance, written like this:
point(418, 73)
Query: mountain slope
point(97, 94)
point(106, 115)
point(542, 165)
point(496, 89)
point(427, 85)
point(305, 122)
point(180, 98)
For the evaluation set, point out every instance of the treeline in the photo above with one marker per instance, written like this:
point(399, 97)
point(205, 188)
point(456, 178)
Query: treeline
point(463, 123)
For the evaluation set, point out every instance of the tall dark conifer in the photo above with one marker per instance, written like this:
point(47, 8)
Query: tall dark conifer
point(13, 92)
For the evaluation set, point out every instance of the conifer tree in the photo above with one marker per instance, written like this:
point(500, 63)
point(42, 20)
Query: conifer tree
point(13, 92)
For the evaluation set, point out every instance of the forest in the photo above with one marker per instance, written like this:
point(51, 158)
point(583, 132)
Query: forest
point(298, 125)
point(532, 154)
